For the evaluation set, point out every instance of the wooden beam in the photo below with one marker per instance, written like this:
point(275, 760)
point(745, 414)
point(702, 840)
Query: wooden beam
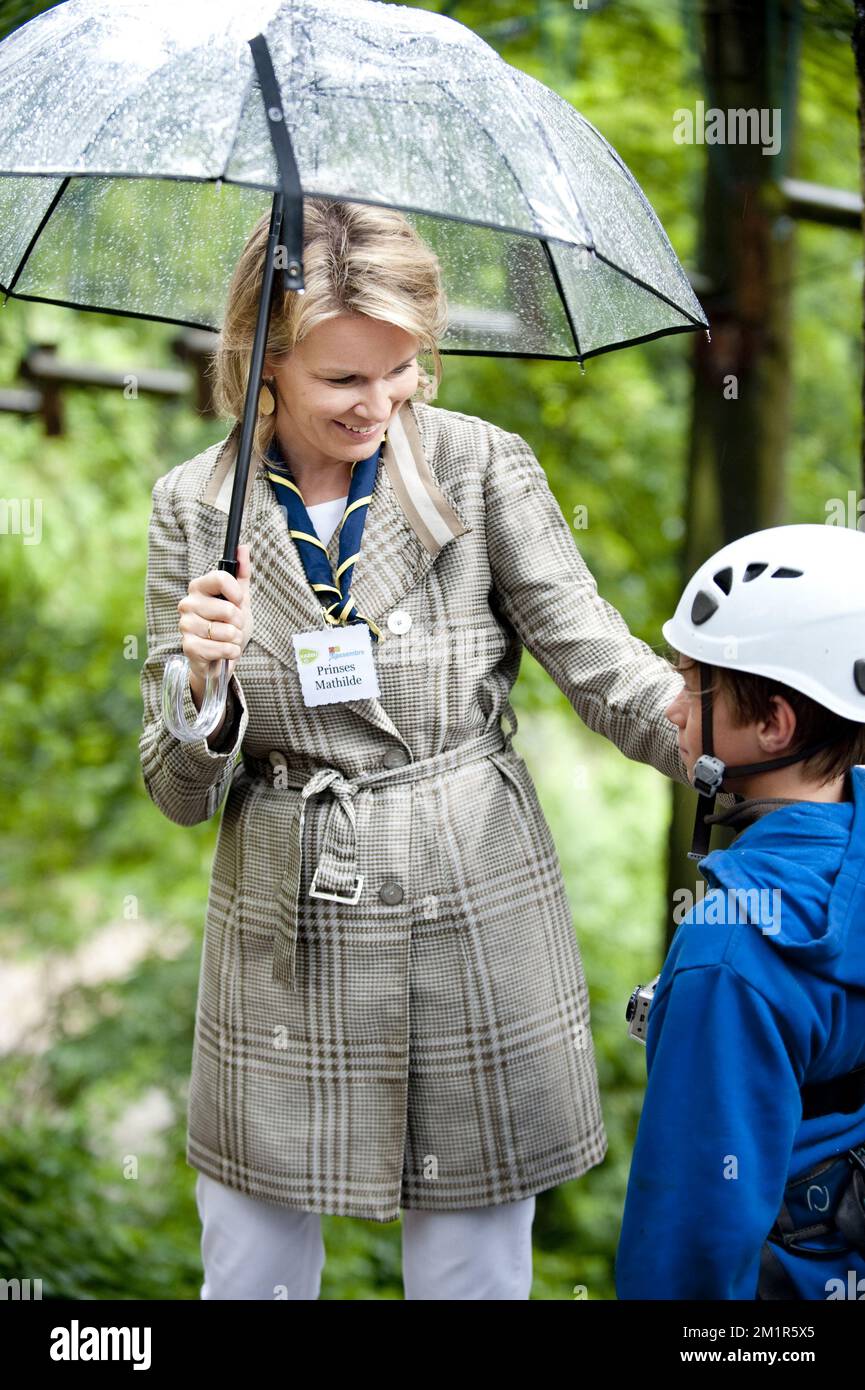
point(814, 202)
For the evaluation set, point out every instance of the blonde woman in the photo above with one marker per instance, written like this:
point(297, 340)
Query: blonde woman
point(392, 1014)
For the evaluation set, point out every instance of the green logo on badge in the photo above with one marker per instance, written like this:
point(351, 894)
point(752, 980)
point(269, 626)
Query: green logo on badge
point(307, 654)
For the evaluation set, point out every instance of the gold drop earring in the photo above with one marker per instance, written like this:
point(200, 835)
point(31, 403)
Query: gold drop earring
point(266, 399)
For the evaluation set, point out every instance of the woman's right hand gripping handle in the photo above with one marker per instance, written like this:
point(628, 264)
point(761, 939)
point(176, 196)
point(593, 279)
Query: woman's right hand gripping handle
point(220, 599)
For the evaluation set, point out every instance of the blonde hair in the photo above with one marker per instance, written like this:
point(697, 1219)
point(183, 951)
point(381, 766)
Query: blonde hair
point(356, 259)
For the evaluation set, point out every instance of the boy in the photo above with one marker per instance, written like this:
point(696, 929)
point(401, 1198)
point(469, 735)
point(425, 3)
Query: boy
point(762, 995)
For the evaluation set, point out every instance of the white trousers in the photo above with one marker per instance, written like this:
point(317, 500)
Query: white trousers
point(254, 1249)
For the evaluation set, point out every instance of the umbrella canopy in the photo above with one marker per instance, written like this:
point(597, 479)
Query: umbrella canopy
point(141, 139)
point(136, 153)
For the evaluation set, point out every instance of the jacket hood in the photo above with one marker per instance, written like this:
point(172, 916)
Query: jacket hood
point(814, 853)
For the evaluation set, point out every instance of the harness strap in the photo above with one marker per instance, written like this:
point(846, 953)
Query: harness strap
point(844, 1219)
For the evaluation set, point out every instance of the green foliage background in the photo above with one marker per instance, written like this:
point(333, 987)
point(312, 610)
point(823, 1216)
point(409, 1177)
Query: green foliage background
point(84, 847)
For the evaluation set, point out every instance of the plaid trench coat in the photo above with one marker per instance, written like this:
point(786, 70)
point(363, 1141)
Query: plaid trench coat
point(420, 1037)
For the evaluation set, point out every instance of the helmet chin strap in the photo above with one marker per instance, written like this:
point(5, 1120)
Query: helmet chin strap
point(710, 772)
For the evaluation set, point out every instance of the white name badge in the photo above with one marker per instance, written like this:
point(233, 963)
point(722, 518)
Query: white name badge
point(335, 663)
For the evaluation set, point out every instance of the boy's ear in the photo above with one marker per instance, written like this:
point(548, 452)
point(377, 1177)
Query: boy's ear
point(781, 725)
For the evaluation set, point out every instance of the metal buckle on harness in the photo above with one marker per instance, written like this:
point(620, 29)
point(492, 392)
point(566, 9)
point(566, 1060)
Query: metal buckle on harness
point(708, 775)
point(850, 1214)
point(856, 1157)
point(335, 897)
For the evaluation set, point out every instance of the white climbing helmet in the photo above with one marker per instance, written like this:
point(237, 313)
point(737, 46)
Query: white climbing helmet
point(787, 603)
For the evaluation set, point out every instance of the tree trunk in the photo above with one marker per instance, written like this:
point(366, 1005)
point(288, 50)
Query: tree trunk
point(741, 390)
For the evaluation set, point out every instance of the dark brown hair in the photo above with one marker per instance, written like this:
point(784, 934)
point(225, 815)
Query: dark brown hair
point(750, 697)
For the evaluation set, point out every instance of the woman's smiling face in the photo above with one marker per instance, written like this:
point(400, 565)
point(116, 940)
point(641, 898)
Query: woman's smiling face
point(348, 370)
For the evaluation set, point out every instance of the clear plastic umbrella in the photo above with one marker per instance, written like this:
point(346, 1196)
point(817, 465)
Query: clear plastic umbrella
point(140, 140)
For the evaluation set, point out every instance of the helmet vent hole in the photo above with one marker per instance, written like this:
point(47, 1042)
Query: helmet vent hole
point(784, 573)
point(752, 571)
point(724, 579)
point(703, 607)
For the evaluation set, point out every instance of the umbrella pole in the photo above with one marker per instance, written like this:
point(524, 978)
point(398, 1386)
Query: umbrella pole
point(175, 677)
point(253, 387)
point(286, 231)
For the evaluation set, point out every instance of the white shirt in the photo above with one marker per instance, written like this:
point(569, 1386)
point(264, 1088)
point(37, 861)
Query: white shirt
point(325, 517)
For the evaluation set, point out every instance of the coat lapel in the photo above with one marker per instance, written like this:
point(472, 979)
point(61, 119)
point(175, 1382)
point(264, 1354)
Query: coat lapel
point(408, 523)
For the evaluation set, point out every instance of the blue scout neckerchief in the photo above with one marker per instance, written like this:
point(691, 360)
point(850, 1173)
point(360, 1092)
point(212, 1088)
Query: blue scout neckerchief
point(340, 610)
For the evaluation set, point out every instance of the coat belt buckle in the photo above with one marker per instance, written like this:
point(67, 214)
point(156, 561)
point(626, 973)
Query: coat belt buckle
point(335, 897)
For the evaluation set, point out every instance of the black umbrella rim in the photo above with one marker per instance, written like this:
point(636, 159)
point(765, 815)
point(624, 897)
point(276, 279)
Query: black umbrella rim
point(443, 351)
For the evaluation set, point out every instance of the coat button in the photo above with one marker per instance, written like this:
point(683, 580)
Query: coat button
point(399, 620)
point(395, 757)
point(391, 891)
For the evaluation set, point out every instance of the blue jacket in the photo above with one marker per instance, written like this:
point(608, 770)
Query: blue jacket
point(742, 1016)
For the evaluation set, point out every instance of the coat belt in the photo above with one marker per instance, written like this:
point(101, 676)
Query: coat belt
point(336, 873)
